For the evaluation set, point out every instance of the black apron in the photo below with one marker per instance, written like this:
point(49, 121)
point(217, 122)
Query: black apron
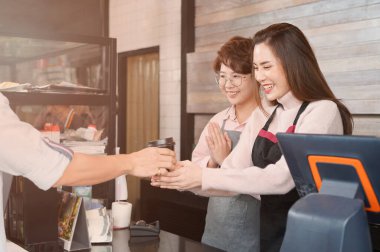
point(274, 208)
point(232, 223)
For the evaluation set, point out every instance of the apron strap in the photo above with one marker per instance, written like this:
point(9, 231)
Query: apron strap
point(302, 109)
point(266, 126)
point(292, 128)
point(223, 124)
point(225, 119)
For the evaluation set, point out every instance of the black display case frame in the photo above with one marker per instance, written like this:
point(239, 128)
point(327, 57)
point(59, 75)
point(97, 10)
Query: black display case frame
point(21, 204)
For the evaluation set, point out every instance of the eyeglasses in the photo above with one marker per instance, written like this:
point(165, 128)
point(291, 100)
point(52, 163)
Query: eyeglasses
point(236, 79)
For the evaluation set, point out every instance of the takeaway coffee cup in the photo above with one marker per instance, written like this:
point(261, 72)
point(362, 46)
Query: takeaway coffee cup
point(162, 143)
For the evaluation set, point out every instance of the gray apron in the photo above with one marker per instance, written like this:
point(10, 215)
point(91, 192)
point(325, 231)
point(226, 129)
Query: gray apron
point(233, 223)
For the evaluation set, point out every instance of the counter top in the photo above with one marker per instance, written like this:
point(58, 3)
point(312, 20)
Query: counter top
point(166, 242)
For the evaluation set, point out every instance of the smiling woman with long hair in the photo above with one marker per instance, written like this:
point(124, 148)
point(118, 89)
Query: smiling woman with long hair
point(300, 101)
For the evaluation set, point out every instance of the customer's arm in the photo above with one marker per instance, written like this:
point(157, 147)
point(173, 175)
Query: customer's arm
point(88, 170)
point(24, 152)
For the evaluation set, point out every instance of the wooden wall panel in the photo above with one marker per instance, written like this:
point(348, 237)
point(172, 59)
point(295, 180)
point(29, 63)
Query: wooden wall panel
point(314, 15)
point(345, 35)
point(212, 6)
point(199, 123)
point(203, 94)
point(247, 10)
point(353, 78)
point(367, 125)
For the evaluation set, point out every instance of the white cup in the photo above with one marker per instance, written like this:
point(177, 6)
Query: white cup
point(121, 214)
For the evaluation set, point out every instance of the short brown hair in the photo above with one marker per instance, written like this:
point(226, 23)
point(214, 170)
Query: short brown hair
point(236, 53)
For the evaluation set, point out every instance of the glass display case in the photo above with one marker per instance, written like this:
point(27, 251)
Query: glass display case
point(61, 84)
point(76, 72)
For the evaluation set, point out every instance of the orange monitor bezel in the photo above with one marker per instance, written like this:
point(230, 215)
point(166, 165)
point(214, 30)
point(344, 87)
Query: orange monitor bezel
point(373, 202)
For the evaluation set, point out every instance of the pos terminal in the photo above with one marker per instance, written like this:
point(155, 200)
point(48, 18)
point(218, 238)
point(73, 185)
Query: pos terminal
point(338, 178)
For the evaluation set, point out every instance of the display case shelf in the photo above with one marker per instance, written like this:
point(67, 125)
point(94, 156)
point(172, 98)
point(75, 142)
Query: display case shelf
point(19, 98)
point(56, 72)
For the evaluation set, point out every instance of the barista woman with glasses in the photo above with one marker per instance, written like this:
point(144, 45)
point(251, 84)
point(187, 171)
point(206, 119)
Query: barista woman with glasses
point(232, 219)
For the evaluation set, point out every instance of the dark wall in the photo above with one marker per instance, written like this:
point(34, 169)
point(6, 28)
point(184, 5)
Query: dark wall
point(85, 17)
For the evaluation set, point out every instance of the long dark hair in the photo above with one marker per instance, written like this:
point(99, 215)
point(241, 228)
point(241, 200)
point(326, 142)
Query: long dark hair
point(300, 65)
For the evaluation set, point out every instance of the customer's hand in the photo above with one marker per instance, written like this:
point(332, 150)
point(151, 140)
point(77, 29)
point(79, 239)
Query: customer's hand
point(218, 143)
point(151, 161)
point(188, 176)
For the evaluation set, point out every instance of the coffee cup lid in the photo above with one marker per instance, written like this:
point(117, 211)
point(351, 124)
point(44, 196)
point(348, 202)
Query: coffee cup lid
point(164, 141)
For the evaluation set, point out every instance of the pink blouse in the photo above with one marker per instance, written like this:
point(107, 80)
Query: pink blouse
point(237, 173)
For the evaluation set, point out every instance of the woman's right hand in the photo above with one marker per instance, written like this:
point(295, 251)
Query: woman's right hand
point(187, 176)
point(219, 144)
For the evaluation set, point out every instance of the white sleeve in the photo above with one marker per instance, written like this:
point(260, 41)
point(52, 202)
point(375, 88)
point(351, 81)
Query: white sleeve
point(24, 152)
point(201, 153)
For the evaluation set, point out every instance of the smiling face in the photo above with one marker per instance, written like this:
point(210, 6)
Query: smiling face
point(269, 72)
point(237, 95)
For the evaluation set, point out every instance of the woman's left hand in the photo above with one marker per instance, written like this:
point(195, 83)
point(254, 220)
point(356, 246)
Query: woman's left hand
point(187, 176)
point(219, 144)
